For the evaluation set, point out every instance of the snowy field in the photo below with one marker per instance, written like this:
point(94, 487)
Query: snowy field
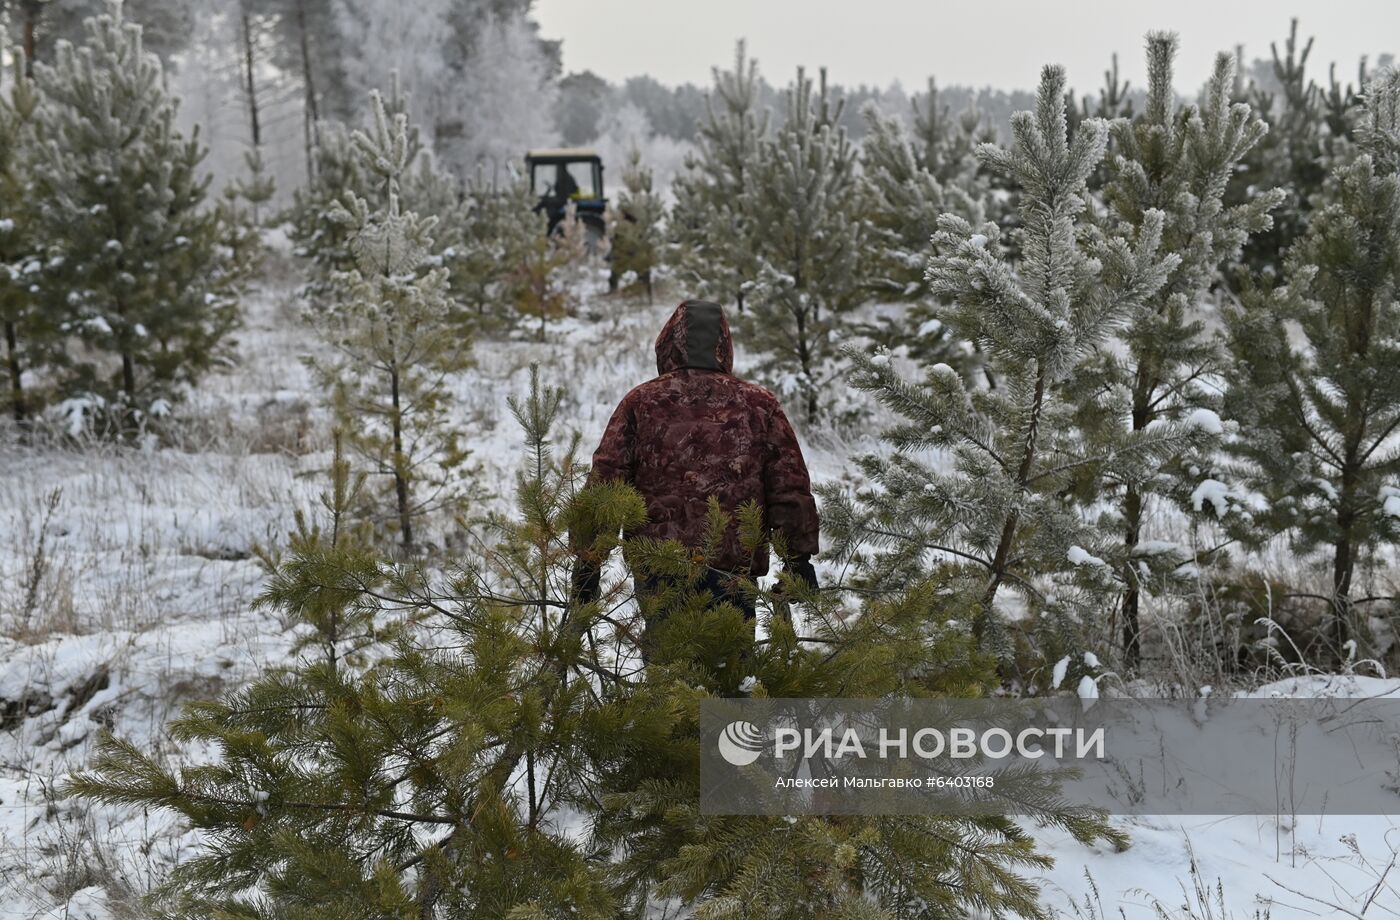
point(125, 585)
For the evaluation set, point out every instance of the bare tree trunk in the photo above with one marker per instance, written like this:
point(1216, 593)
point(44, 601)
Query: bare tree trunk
point(249, 80)
point(128, 376)
point(1001, 560)
point(1132, 595)
point(128, 360)
point(1344, 552)
point(1343, 565)
point(32, 10)
point(17, 402)
point(1132, 533)
point(804, 358)
point(250, 89)
point(1359, 333)
point(400, 466)
point(311, 110)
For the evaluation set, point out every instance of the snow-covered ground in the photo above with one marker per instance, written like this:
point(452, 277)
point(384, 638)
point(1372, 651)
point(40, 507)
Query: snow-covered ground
point(125, 585)
point(1214, 867)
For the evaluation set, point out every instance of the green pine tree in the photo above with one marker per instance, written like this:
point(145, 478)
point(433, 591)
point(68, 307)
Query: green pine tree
point(1001, 511)
point(636, 222)
point(340, 171)
point(501, 233)
point(257, 188)
point(1340, 104)
point(1320, 411)
point(1159, 369)
point(710, 229)
point(1292, 156)
point(1115, 101)
point(946, 145)
point(1115, 96)
point(424, 188)
point(389, 322)
point(545, 272)
point(137, 261)
point(904, 196)
point(317, 237)
point(802, 196)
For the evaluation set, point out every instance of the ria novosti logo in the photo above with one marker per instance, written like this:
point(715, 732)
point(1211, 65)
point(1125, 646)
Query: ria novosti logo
point(741, 743)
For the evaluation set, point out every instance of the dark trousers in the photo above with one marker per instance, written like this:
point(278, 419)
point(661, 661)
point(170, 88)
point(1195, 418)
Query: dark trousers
point(721, 586)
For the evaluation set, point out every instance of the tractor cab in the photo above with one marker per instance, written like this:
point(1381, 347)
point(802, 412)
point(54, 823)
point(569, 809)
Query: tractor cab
point(568, 174)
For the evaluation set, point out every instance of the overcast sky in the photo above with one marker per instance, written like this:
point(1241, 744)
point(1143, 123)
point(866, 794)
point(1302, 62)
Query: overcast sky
point(1001, 43)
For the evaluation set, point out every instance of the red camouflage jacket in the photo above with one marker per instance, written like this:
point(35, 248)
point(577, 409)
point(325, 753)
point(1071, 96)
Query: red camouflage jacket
point(695, 431)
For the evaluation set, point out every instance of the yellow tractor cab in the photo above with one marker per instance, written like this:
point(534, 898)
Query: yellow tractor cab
point(565, 174)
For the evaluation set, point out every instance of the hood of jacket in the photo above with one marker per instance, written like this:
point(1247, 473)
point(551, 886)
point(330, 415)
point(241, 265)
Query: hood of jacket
point(696, 335)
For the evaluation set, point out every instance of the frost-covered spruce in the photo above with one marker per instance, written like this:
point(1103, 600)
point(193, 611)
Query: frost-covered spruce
point(388, 320)
point(995, 507)
point(1321, 413)
point(803, 197)
point(136, 262)
point(1155, 381)
point(710, 233)
point(31, 338)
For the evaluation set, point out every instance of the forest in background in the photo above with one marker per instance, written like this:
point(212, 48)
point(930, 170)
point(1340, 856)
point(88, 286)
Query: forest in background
point(485, 84)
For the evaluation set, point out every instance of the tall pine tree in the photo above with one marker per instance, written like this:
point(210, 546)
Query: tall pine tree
point(136, 259)
point(1316, 375)
point(1000, 511)
point(501, 234)
point(1292, 156)
point(1159, 370)
point(904, 197)
point(388, 321)
point(802, 195)
point(340, 171)
point(710, 229)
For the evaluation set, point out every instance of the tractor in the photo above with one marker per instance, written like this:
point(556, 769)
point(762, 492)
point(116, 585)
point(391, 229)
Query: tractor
point(575, 174)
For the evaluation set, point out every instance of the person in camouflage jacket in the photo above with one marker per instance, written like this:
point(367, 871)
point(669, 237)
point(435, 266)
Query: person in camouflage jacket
point(696, 431)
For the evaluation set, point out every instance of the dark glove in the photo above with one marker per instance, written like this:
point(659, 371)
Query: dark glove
point(587, 581)
point(800, 567)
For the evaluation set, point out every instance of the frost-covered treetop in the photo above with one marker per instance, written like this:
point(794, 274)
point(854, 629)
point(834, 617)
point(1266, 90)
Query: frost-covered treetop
point(1181, 162)
point(1051, 166)
point(112, 83)
point(386, 149)
point(1072, 285)
point(387, 242)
